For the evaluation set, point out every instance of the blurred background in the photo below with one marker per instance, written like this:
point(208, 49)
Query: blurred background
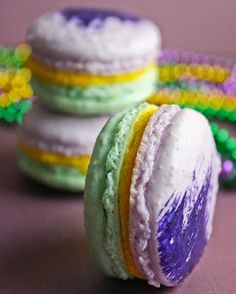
point(43, 247)
point(202, 25)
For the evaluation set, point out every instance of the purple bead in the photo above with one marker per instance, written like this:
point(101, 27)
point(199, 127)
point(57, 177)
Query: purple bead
point(205, 59)
point(227, 168)
point(195, 58)
point(233, 74)
point(186, 57)
point(176, 56)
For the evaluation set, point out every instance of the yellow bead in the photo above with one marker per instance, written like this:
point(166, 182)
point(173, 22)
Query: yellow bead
point(210, 73)
point(14, 94)
point(4, 79)
point(176, 72)
point(193, 70)
point(4, 100)
point(26, 91)
point(182, 68)
point(216, 101)
point(26, 73)
point(200, 72)
point(164, 74)
point(23, 51)
point(18, 80)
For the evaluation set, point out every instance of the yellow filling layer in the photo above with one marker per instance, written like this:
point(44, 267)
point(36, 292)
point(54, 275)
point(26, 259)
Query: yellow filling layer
point(80, 162)
point(125, 183)
point(70, 78)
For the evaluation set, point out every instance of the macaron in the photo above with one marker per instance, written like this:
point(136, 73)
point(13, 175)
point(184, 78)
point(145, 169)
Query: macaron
point(151, 186)
point(55, 149)
point(91, 61)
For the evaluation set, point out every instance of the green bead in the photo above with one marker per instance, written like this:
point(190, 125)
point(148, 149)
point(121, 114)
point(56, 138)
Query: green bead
point(9, 117)
point(229, 183)
point(1, 112)
point(222, 135)
point(11, 109)
point(220, 148)
point(231, 143)
point(26, 105)
point(198, 108)
point(221, 114)
point(232, 116)
point(206, 112)
point(19, 118)
point(234, 155)
point(214, 128)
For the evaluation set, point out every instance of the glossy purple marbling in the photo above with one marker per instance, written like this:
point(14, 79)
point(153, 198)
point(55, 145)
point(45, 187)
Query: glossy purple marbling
point(182, 244)
point(85, 16)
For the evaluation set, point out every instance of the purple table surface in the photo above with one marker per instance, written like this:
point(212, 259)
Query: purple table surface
point(43, 246)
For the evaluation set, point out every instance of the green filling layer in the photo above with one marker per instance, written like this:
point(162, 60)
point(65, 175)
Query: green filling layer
point(67, 178)
point(96, 99)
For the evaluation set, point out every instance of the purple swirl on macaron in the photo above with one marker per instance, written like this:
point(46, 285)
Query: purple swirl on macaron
point(86, 16)
point(187, 238)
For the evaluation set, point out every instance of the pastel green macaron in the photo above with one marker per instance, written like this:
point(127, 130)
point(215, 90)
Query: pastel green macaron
point(150, 193)
point(91, 61)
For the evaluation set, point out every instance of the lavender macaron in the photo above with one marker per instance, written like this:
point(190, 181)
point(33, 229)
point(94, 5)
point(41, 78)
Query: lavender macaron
point(91, 61)
point(55, 149)
point(151, 186)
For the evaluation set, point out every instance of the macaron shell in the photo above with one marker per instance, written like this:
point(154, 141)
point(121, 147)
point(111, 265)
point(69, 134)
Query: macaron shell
point(101, 192)
point(95, 67)
point(94, 214)
point(60, 177)
point(103, 40)
point(142, 172)
point(181, 197)
point(60, 133)
point(126, 172)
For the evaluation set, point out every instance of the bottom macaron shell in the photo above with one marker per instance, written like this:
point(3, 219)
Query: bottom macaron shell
point(66, 178)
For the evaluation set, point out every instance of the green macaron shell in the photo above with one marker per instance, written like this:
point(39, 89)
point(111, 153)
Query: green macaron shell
point(101, 193)
point(96, 99)
point(56, 176)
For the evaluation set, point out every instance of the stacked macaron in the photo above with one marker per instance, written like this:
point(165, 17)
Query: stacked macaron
point(89, 61)
point(151, 186)
point(55, 149)
point(86, 63)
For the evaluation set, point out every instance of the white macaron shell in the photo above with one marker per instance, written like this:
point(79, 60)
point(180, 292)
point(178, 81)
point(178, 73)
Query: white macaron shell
point(115, 40)
point(60, 133)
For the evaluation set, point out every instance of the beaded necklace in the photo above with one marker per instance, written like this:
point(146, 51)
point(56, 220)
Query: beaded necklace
point(15, 90)
point(207, 84)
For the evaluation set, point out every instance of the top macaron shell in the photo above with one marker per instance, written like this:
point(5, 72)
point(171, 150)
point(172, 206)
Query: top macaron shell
point(100, 35)
point(175, 197)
